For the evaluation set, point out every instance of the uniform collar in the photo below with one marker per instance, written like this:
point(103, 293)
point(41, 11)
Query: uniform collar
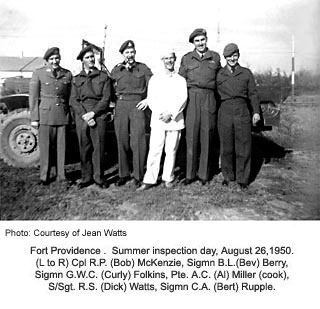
point(238, 70)
point(59, 70)
point(123, 66)
point(206, 55)
point(94, 72)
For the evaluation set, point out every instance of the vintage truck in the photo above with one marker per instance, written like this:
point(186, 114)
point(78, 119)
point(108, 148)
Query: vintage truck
point(19, 141)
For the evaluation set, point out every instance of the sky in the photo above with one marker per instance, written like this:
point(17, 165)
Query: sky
point(263, 30)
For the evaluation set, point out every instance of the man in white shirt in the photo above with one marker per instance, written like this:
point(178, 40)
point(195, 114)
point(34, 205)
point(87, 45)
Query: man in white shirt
point(167, 95)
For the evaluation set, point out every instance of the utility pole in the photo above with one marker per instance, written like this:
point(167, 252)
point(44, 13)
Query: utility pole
point(103, 65)
point(104, 42)
point(218, 28)
point(292, 71)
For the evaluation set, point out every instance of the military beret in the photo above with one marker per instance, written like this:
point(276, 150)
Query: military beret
point(84, 50)
point(125, 45)
point(51, 51)
point(230, 49)
point(196, 32)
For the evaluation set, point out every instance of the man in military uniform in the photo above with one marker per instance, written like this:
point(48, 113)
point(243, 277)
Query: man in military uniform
point(49, 106)
point(200, 68)
point(238, 93)
point(130, 82)
point(90, 98)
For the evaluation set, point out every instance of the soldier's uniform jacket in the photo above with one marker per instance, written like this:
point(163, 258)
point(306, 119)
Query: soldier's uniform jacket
point(91, 93)
point(131, 84)
point(49, 96)
point(200, 72)
point(238, 85)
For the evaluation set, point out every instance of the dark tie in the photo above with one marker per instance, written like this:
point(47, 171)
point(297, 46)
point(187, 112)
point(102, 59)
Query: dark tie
point(55, 73)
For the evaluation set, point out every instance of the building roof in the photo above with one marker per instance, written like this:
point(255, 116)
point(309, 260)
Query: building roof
point(17, 64)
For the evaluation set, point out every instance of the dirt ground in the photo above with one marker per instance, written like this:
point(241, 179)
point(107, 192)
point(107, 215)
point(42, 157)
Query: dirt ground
point(286, 184)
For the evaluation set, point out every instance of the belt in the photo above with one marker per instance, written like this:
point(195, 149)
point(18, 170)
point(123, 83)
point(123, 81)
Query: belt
point(130, 97)
point(88, 100)
point(51, 96)
point(235, 99)
point(61, 99)
point(201, 90)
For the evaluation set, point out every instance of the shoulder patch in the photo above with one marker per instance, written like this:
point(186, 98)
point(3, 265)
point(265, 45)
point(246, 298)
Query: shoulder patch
point(143, 65)
point(116, 67)
point(65, 70)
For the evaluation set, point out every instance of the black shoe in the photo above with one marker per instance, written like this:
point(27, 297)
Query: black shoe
point(122, 181)
point(82, 185)
point(102, 185)
point(137, 183)
point(203, 182)
point(243, 186)
point(225, 182)
point(187, 181)
point(43, 182)
point(144, 187)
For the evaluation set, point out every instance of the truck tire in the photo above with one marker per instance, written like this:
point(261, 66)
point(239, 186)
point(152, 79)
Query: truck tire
point(19, 140)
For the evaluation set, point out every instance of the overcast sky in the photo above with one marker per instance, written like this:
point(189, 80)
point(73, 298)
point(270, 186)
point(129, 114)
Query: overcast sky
point(262, 29)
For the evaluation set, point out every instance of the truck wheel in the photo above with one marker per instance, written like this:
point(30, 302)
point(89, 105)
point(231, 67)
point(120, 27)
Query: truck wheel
point(19, 140)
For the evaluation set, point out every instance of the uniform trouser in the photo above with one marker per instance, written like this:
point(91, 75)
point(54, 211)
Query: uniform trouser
point(234, 125)
point(129, 123)
point(200, 127)
point(92, 149)
point(52, 144)
point(170, 141)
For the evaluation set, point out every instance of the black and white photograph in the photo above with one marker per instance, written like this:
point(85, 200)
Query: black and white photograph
point(196, 157)
point(171, 129)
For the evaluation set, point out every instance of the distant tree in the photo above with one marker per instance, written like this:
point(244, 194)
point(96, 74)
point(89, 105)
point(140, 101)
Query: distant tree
point(307, 81)
point(272, 79)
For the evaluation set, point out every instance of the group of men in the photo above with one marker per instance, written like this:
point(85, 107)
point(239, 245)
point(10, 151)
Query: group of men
point(188, 98)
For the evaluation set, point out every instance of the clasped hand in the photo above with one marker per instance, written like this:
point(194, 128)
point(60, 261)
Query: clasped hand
point(165, 117)
point(88, 118)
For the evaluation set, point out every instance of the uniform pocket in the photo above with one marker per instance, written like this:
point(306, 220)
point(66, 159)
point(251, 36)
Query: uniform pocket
point(212, 65)
point(79, 84)
point(139, 114)
point(47, 85)
point(98, 87)
point(44, 105)
point(192, 67)
point(242, 83)
point(139, 80)
point(211, 107)
point(245, 115)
